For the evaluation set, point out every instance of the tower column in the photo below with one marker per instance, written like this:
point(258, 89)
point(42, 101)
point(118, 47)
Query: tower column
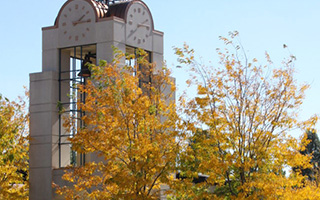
point(43, 125)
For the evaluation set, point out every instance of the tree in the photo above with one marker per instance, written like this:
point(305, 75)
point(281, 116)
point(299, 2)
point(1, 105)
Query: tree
point(312, 148)
point(133, 129)
point(246, 111)
point(13, 150)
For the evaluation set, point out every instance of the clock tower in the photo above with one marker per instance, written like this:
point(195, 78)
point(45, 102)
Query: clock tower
point(84, 31)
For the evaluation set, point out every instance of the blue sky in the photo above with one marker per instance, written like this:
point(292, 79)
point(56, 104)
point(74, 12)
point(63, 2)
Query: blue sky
point(263, 26)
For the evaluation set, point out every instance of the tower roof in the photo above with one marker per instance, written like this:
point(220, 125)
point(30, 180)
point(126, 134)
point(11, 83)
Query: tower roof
point(118, 10)
point(101, 8)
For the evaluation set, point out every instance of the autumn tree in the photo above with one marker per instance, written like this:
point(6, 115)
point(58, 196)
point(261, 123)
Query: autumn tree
point(13, 150)
point(131, 123)
point(246, 111)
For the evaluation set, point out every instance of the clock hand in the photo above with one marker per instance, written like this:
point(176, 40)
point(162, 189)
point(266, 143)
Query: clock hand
point(81, 22)
point(144, 25)
point(132, 32)
point(81, 17)
point(76, 22)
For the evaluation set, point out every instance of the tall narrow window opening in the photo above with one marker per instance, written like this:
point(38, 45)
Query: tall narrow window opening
point(72, 73)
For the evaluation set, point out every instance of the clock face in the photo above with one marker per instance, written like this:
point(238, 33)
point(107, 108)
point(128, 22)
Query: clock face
point(139, 25)
point(76, 20)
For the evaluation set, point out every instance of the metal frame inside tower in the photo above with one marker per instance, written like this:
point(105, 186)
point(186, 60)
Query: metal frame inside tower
point(69, 111)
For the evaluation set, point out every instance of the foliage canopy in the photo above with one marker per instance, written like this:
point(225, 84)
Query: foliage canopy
point(239, 123)
point(234, 132)
point(131, 124)
point(13, 150)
